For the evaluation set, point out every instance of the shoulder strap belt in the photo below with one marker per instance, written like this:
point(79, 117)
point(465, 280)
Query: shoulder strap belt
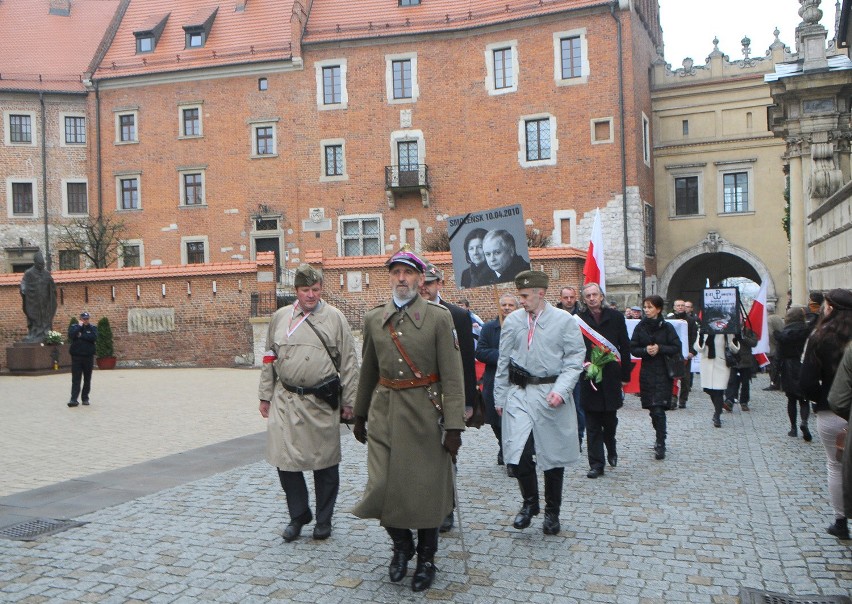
point(417, 373)
point(596, 338)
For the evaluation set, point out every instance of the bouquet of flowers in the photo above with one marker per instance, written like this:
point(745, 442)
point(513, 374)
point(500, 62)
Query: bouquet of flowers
point(53, 337)
point(594, 368)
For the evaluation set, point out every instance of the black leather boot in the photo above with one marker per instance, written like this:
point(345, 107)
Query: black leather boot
point(552, 500)
point(403, 551)
point(528, 484)
point(427, 545)
point(658, 418)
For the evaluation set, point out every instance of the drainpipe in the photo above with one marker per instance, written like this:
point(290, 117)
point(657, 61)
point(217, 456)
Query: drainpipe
point(98, 147)
point(44, 182)
point(620, 42)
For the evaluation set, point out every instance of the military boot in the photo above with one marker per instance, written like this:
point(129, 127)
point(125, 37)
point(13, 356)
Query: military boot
point(427, 545)
point(528, 484)
point(403, 551)
point(552, 500)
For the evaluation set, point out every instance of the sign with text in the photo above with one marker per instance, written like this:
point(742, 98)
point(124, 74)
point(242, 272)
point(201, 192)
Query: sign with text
point(720, 310)
point(489, 246)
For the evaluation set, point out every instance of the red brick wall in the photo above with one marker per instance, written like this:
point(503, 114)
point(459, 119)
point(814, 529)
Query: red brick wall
point(210, 328)
point(471, 139)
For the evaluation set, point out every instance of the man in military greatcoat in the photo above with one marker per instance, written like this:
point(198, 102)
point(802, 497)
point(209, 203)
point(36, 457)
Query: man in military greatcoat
point(411, 396)
point(307, 382)
point(541, 357)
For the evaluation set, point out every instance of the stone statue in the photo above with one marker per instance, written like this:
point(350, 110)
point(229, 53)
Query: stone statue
point(38, 292)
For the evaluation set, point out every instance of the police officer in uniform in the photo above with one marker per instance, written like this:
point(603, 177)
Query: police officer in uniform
point(411, 378)
point(308, 381)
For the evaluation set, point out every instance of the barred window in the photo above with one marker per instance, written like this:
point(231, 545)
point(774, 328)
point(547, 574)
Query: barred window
point(538, 139)
point(334, 160)
point(361, 236)
point(195, 252)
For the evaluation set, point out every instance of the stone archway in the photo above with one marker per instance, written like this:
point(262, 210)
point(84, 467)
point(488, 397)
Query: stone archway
point(715, 259)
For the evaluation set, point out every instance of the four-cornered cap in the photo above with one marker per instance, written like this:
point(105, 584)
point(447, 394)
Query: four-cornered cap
point(528, 279)
point(84, 315)
point(408, 258)
point(433, 273)
point(306, 276)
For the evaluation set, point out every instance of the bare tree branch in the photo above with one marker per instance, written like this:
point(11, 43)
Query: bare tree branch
point(95, 238)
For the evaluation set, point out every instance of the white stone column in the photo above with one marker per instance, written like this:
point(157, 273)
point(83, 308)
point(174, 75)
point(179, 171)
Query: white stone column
point(798, 242)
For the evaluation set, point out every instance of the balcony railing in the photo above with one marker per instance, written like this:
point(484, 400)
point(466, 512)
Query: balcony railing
point(412, 176)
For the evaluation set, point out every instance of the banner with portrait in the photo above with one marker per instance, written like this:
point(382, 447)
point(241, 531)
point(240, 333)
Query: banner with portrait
point(489, 246)
point(721, 310)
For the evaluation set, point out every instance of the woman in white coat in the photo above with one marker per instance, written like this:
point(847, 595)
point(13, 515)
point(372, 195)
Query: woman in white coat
point(714, 371)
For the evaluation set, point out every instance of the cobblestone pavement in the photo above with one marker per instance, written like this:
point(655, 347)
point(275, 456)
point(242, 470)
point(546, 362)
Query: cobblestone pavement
point(740, 506)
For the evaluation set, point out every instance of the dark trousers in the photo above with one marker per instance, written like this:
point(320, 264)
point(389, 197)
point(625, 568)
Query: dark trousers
point(326, 485)
point(739, 382)
point(81, 367)
point(685, 383)
point(600, 431)
point(427, 540)
point(581, 414)
point(717, 397)
point(804, 408)
point(658, 421)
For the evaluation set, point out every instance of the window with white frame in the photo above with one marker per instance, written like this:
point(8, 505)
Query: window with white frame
point(737, 191)
point(131, 252)
point(537, 140)
point(192, 187)
point(20, 128)
point(73, 130)
point(194, 250)
point(333, 160)
point(501, 67)
point(401, 78)
point(331, 84)
point(360, 235)
point(128, 191)
point(264, 142)
point(602, 130)
point(125, 127)
point(21, 198)
point(75, 197)
point(570, 57)
point(646, 140)
point(190, 121)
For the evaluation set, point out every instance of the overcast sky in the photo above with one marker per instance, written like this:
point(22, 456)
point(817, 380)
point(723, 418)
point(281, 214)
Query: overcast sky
point(689, 26)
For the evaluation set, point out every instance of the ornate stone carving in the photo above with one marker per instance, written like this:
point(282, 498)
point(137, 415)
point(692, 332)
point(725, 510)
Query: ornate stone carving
point(826, 177)
point(810, 11)
point(712, 242)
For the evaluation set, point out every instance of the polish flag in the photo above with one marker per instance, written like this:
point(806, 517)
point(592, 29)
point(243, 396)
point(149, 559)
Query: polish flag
point(594, 270)
point(757, 321)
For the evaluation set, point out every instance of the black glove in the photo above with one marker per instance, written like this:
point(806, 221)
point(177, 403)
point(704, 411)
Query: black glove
point(360, 429)
point(452, 442)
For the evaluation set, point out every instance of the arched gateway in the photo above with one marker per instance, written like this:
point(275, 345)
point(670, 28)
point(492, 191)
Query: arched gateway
point(714, 259)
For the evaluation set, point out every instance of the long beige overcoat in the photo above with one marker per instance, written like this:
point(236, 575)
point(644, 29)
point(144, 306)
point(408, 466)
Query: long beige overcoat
point(714, 372)
point(409, 473)
point(303, 432)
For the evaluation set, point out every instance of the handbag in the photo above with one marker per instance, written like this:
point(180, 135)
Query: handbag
point(333, 387)
point(675, 366)
point(731, 358)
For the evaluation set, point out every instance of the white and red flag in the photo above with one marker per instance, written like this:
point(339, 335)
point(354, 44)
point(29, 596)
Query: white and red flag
point(757, 323)
point(593, 269)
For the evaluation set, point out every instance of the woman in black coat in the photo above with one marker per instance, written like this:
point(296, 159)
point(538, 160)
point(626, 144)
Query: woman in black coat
point(790, 344)
point(653, 340)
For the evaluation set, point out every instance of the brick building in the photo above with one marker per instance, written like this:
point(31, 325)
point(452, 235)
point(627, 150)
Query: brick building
point(220, 130)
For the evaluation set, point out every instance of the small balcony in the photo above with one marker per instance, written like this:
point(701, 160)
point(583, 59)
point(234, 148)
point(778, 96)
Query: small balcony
point(404, 179)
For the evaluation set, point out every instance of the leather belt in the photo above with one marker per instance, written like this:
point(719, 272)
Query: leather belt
point(534, 381)
point(299, 389)
point(409, 383)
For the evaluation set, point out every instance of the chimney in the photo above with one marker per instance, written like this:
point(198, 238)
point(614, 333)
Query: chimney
point(60, 7)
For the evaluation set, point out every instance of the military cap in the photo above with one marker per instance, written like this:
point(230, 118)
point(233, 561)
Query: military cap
point(306, 275)
point(433, 273)
point(528, 279)
point(407, 257)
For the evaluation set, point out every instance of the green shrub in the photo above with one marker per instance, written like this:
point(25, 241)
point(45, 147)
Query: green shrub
point(103, 345)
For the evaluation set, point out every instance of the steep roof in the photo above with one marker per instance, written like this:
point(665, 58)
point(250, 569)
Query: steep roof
point(332, 20)
point(242, 31)
point(46, 52)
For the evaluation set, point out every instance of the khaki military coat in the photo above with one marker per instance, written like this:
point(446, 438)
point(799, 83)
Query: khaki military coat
point(409, 473)
point(303, 431)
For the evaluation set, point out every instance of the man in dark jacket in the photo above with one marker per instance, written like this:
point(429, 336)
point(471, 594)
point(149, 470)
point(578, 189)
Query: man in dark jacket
point(740, 378)
point(431, 291)
point(680, 312)
point(602, 401)
point(488, 351)
point(82, 336)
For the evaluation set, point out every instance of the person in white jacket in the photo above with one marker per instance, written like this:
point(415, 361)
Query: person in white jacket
point(714, 370)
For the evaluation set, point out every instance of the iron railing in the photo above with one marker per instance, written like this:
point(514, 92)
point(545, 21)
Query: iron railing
point(412, 176)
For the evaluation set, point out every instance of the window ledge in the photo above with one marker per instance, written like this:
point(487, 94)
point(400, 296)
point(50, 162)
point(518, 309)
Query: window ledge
point(341, 178)
point(129, 210)
point(580, 80)
point(27, 216)
point(728, 214)
point(332, 107)
point(687, 216)
point(126, 142)
point(264, 156)
point(184, 137)
point(184, 206)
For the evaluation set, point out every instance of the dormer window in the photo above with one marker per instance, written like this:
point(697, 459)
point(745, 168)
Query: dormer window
point(149, 33)
point(197, 28)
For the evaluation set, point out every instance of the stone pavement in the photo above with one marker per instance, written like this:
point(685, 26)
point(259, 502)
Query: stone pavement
point(740, 506)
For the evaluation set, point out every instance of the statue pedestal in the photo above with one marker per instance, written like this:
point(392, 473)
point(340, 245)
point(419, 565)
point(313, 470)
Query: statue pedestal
point(23, 358)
